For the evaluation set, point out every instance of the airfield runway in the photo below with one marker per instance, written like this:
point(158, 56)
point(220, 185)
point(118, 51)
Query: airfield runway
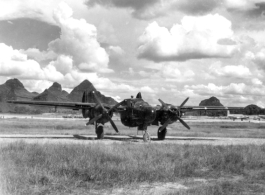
point(88, 139)
point(70, 139)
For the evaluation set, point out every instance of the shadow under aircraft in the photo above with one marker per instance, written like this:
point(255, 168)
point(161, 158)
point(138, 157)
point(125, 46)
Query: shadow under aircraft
point(134, 112)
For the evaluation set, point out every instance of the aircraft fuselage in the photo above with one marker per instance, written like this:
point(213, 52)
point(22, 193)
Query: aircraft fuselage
point(137, 113)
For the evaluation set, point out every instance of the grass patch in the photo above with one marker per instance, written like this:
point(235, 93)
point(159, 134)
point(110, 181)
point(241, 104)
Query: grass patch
point(63, 168)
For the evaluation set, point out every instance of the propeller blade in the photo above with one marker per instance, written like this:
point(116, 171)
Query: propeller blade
point(113, 125)
point(114, 107)
point(107, 112)
point(183, 123)
point(94, 119)
point(99, 102)
point(163, 103)
point(164, 125)
point(183, 103)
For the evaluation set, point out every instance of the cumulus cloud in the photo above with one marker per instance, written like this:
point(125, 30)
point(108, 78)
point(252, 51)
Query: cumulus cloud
point(116, 50)
point(195, 37)
point(35, 9)
point(172, 73)
point(38, 55)
point(241, 12)
point(15, 63)
point(147, 89)
point(79, 40)
point(234, 71)
point(36, 85)
point(253, 8)
point(147, 9)
point(256, 81)
point(141, 9)
point(52, 74)
point(231, 89)
point(72, 58)
point(196, 7)
point(240, 4)
point(258, 57)
point(63, 64)
point(41, 10)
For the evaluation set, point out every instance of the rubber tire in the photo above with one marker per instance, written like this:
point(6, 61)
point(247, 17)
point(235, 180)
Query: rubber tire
point(146, 137)
point(161, 135)
point(100, 132)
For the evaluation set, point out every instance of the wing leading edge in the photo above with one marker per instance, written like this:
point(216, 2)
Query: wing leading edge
point(67, 105)
point(198, 108)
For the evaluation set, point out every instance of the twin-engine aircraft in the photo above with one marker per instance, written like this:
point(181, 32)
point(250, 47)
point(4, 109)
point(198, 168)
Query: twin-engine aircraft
point(134, 112)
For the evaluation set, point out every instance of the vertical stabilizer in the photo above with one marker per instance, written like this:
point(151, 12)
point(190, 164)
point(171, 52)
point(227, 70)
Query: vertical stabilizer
point(85, 112)
point(85, 97)
point(139, 95)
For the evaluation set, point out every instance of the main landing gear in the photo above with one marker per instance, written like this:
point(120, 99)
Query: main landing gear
point(161, 134)
point(99, 130)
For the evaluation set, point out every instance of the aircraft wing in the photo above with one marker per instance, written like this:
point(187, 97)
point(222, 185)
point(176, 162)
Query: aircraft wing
point(67, 105)
point(200, 108)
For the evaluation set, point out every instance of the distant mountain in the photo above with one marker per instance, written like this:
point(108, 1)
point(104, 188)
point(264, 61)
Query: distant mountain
point(54, 93)
point(77, 93)
point(253, 110)
point(13, 89)
point(212, 101)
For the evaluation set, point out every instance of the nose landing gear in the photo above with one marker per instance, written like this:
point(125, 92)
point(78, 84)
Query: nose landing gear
point(146, 136)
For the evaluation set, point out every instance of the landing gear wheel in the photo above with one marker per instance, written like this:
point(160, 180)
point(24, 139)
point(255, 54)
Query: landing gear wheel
point(146, 137)
point(100, 132)
point(161, 134)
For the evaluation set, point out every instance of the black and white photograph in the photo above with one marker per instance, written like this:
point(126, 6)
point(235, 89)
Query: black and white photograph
point(135, 97)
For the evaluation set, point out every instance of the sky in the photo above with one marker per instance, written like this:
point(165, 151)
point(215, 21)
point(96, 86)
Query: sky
point(166, 49)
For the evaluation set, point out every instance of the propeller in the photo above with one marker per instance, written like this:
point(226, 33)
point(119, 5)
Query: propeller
point(177, 116)
point(183, 123)
point(105, 113)
point(94, 119)
point(184, 102)
point(163, 103)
